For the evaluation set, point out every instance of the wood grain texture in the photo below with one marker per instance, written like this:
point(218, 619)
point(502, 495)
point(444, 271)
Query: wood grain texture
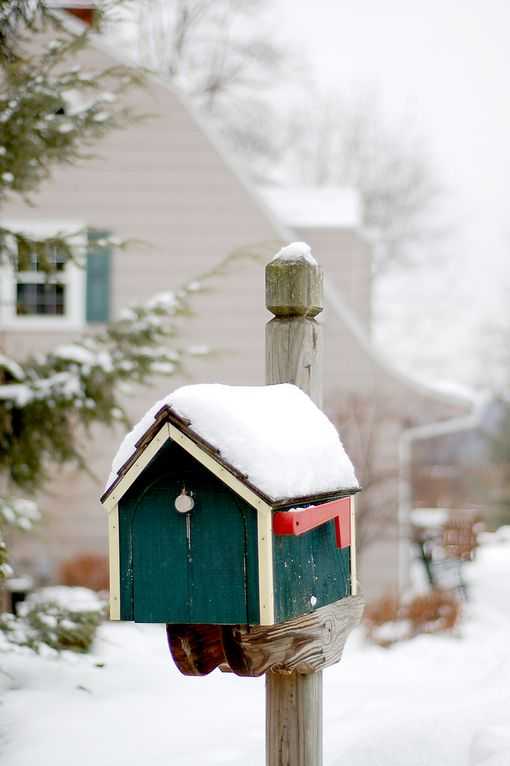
point(293, 287)
point(294, 354)
point(297, 647)
point(196, 649)
point(304, 645)
point(294, 713)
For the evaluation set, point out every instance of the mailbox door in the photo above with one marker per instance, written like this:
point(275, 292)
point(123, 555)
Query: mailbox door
point(199, 567)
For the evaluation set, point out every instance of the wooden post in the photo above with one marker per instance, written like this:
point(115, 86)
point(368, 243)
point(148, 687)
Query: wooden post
point(294, 355)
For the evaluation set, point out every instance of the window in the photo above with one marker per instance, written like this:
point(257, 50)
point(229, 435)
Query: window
point(31, 300)
point(35, 294)
point(40, 299)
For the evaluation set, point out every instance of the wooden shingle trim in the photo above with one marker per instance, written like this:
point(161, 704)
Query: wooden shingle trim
point(219, 469)
point(140, 446)
point(143, 457)
point(287, 504)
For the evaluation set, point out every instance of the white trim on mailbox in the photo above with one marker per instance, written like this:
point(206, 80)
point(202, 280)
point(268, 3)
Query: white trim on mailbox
point(266, 564)
point(264, 516)
point(113, 543)
point(354, 562)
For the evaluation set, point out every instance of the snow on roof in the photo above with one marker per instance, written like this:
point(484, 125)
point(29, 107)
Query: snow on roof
point(275, 435)
point(315, 206)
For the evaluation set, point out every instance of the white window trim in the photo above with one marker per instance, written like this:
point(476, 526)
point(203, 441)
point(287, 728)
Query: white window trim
point(73, 277)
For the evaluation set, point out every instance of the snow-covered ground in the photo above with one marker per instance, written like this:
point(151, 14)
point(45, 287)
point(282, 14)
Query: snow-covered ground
point(435, 701)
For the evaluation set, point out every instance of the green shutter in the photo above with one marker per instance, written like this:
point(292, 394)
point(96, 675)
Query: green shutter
point(99, 258)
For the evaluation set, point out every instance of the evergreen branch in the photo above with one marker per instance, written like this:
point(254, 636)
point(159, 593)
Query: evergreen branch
point(51, 112)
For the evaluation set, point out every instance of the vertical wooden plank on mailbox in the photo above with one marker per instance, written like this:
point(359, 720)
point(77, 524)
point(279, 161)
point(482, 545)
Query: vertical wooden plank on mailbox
point(294, 355)
point(310, 572)
point(219, 537)
point(197, 568)
point(161, 581)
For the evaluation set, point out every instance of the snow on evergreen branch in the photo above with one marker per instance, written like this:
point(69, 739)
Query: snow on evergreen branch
point(18, 512)
point(53, 620)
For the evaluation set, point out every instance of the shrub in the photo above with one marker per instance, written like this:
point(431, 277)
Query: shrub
point(388, 621)
point(60, 618)
point(433, 612)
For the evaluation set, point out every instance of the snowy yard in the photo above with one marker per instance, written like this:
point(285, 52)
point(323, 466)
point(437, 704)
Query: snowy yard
point(435, 701)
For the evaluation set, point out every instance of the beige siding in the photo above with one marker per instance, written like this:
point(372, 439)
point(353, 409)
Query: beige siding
point(346, 257)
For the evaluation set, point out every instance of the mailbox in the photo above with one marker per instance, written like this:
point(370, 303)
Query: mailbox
point(230, 505)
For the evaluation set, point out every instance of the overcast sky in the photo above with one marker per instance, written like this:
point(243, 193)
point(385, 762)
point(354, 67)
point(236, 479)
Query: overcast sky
point(445, 63)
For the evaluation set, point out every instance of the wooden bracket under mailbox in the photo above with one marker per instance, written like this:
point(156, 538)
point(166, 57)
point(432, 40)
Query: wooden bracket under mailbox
point(299, 521)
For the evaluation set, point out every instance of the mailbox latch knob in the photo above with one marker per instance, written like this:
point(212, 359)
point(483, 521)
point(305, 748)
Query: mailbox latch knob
point(184, 502)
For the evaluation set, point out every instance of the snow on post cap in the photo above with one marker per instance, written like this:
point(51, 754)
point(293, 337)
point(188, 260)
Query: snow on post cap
point(275, 435)
point(296, 251)
point(294, 282)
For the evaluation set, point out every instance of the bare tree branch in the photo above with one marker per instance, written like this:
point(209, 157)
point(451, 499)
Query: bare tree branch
point(337, 141)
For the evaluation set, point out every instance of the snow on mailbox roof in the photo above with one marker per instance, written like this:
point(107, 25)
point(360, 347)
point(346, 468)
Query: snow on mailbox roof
point(274, 436)
point(315, 206)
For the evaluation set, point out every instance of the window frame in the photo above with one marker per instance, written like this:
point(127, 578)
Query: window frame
point(72, 277)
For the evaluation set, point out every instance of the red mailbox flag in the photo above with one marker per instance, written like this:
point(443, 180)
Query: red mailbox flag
point(301, 520)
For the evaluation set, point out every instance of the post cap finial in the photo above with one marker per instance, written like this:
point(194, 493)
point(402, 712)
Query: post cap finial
point(294, 282)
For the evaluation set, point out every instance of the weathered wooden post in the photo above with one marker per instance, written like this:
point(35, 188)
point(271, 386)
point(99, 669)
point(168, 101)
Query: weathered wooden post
point(294, 355)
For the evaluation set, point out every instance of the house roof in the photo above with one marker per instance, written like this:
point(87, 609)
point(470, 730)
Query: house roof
point(271, 439)
point(315, 206)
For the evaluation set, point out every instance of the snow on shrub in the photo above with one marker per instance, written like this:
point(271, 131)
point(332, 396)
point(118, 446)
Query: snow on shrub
point(54, 618)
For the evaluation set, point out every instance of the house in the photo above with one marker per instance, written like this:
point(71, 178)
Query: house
point(169, 181)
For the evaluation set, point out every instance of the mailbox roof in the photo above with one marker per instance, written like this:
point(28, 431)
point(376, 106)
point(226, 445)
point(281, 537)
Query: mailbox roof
point(273, 439)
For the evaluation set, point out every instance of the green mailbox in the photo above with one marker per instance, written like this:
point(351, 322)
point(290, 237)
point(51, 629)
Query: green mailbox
point(230, 505)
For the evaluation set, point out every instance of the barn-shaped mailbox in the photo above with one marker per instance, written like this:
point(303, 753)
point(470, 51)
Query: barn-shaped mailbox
point(230, 505)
